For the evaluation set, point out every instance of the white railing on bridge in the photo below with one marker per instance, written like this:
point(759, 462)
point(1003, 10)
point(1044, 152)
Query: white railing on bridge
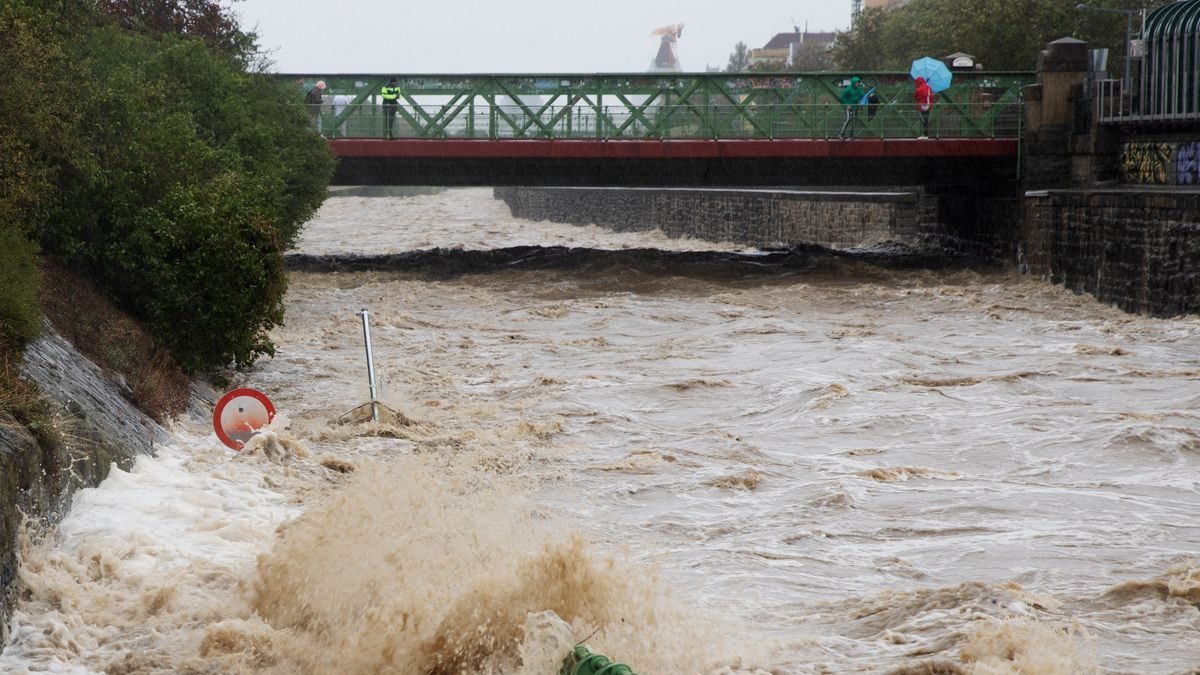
point(1146, 102)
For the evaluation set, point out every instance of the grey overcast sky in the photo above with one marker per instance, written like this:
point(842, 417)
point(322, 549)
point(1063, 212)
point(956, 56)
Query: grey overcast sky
point(517, 36)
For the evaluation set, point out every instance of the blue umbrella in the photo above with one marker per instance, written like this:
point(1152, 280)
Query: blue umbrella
point(936, 74)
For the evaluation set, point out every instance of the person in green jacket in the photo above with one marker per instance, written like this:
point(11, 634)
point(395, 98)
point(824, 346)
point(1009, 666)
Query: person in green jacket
point(850, 97)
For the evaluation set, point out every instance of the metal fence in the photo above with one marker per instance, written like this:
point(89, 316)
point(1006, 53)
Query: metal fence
point(1145, 104)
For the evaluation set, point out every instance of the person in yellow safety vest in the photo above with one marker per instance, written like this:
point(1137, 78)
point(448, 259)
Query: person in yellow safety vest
point(391, 99)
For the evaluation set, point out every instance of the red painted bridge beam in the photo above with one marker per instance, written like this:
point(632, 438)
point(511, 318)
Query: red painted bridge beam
point(673, 149)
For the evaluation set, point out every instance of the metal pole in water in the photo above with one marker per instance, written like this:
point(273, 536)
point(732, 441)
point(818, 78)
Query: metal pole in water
point(366, 319)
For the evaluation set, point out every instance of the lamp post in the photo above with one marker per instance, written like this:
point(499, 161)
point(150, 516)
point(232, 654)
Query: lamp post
point(1126, 82)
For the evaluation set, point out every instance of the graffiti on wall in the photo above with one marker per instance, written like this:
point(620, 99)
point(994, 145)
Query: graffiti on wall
point(1147, 163)
point(1175, 163)
point(1187, 163)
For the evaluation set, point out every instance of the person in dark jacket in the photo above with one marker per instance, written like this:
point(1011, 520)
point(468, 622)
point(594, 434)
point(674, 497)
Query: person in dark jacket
point(313, 99)
point(923, 97)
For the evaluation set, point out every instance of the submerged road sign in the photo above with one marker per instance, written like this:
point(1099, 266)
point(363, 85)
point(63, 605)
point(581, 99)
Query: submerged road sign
point(240, 414)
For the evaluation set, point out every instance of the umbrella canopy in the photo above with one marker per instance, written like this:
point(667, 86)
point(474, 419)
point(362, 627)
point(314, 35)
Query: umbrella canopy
point(936, 74)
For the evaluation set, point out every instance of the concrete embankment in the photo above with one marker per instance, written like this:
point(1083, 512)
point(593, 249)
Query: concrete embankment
point(83, 396)
point(89, 426)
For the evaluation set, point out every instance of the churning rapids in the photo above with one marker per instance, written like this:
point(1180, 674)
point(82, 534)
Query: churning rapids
point(837, 468)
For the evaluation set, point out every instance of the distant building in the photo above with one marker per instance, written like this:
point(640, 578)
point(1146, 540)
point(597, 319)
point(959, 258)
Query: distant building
point(783, 48)
point(885, 4)
point(961, 61)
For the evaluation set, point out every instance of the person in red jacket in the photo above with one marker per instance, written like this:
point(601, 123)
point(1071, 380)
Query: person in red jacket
point(923, 96)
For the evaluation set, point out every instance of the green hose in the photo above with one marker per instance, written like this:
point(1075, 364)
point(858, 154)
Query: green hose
point(581, 661)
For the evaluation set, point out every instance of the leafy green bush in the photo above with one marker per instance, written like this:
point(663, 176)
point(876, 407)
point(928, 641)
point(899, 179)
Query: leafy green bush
point(20, 319)
point(194, 178)
point(161, 167)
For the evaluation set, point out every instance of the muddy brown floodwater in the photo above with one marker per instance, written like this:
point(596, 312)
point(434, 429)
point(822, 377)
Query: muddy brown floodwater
point(840, 469)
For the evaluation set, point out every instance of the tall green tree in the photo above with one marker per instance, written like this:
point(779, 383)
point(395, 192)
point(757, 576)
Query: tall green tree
point(206, 20)
point(859, 48)
point(1000, 34)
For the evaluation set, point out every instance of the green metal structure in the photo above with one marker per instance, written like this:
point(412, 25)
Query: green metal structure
point(660, 106)
point(1169, 88)
point(582, 661)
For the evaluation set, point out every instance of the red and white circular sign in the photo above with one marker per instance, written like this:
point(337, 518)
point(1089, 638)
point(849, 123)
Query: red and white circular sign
point(239, 414)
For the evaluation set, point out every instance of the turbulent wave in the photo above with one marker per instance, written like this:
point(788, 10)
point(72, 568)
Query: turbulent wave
point(450, 262)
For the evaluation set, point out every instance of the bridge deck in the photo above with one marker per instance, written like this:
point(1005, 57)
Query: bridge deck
point(739, 162)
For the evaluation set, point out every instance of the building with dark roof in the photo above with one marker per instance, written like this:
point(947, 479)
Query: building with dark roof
point(784, 47)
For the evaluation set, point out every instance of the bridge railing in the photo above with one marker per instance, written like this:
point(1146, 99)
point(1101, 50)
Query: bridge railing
point(660, 106)
point(679, 121)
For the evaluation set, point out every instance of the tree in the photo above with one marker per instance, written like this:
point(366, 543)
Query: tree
point(858, 48)
point(171, 176)
point(1000, 34)
point(739, 60)
point(811, 57)
point(203, 19)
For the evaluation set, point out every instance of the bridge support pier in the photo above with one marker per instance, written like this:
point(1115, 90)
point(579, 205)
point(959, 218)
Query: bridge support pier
point(1105, 208)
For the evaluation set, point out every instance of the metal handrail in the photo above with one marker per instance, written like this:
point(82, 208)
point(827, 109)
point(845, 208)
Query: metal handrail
point(675, 120)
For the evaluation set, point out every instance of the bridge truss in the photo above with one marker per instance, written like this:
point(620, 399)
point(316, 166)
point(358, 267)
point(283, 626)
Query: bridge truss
point(661, 106)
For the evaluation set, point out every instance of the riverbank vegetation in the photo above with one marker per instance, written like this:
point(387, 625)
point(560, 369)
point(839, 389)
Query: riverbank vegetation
point(143, 151)
point(1000, 34)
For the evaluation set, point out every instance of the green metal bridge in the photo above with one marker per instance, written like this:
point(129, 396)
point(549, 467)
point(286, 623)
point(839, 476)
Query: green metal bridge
point(660, 106)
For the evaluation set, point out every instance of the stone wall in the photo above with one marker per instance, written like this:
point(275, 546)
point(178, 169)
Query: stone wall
point(1137, 249)
point(758, 218)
